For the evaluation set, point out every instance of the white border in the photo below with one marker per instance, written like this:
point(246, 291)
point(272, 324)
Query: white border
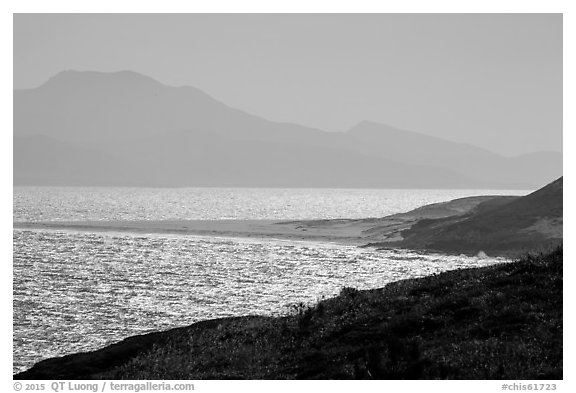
point(303, 6)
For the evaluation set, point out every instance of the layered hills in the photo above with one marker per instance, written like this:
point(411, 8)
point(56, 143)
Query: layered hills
point(124, 128)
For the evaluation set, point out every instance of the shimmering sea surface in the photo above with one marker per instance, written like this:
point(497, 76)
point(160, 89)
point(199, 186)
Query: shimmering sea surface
point(78, 291)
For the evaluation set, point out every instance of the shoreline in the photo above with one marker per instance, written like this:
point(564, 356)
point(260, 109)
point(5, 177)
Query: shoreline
point(386, 232)
point(284, 230)
point(356, 232)
point(396, 332)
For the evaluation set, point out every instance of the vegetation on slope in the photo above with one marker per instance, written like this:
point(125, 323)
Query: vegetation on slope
point(498, 322)
point(497, 227)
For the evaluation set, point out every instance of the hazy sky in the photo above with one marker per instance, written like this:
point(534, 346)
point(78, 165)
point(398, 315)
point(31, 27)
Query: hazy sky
point(493, 80)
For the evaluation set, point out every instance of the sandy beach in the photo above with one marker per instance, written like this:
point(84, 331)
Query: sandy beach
point(350, 232)
point(343, 231)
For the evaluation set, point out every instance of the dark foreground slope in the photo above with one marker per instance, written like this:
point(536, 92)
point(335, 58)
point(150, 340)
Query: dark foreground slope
point(499, 322)
point(497, 227)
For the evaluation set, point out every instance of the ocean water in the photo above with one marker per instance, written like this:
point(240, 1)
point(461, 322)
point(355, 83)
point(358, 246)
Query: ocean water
point(115, 203)
point(78, 291)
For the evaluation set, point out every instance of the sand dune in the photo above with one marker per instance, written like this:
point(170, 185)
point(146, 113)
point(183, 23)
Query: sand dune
point(343, 231)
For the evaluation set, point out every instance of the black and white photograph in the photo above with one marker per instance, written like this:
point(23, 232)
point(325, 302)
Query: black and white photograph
point(287, 196)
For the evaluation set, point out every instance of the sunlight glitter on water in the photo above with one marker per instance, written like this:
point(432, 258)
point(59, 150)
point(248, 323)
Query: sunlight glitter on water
point(117, 203)
point(80, 291)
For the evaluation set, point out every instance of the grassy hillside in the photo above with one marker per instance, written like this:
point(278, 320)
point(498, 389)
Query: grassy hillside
point(498, 322)
point(497, 227)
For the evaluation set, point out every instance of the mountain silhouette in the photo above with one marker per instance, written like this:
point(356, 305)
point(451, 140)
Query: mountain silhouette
point(410, 147)
point(124, 128)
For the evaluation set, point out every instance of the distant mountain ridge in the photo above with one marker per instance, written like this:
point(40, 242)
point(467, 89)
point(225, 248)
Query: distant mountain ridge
point(125, 128)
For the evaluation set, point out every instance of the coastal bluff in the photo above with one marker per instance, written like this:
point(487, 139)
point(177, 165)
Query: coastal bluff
point(495, 225)
point(500, 226)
